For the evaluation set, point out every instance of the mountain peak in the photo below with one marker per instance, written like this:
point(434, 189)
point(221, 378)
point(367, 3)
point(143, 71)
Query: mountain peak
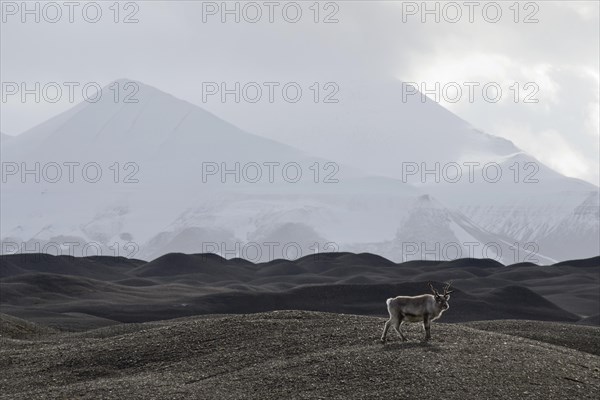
point(428, 201)
point(132, 91)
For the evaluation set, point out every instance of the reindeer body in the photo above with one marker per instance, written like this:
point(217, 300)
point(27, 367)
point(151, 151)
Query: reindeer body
point(423, 308)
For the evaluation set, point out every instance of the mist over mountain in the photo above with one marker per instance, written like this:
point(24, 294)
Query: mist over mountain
point(162, 175)
point(402, 128)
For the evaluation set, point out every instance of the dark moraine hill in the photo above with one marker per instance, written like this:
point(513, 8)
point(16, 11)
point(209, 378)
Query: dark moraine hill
point(83, 293)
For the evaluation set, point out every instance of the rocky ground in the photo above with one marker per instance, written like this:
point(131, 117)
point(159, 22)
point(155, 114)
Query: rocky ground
point(299, 355)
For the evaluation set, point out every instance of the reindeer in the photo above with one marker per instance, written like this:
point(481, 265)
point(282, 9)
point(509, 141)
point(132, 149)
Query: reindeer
point(424, 308)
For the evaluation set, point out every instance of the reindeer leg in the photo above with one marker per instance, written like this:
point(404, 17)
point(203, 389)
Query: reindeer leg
point(385, 329)
point(397, 324)
point(427, 326)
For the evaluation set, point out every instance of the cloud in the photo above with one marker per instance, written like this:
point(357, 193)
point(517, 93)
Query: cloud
point(172, 49)
point(552, 149)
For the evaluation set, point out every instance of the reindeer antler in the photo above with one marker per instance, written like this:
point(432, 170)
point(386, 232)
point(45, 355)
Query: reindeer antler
point(446, 291)
point(433, 289)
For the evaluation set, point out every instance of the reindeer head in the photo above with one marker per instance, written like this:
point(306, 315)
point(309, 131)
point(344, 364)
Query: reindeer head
point(442, 299)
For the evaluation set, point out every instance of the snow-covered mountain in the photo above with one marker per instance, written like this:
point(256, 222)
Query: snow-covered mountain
point(577, 232)
point(152, 191)
point(530, 205)
point(162, 175)
point(431, 231)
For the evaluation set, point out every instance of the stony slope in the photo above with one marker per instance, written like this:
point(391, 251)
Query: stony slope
point(293, 354)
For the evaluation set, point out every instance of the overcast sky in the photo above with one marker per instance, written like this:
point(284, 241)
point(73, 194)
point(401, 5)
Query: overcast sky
point(173, 49)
